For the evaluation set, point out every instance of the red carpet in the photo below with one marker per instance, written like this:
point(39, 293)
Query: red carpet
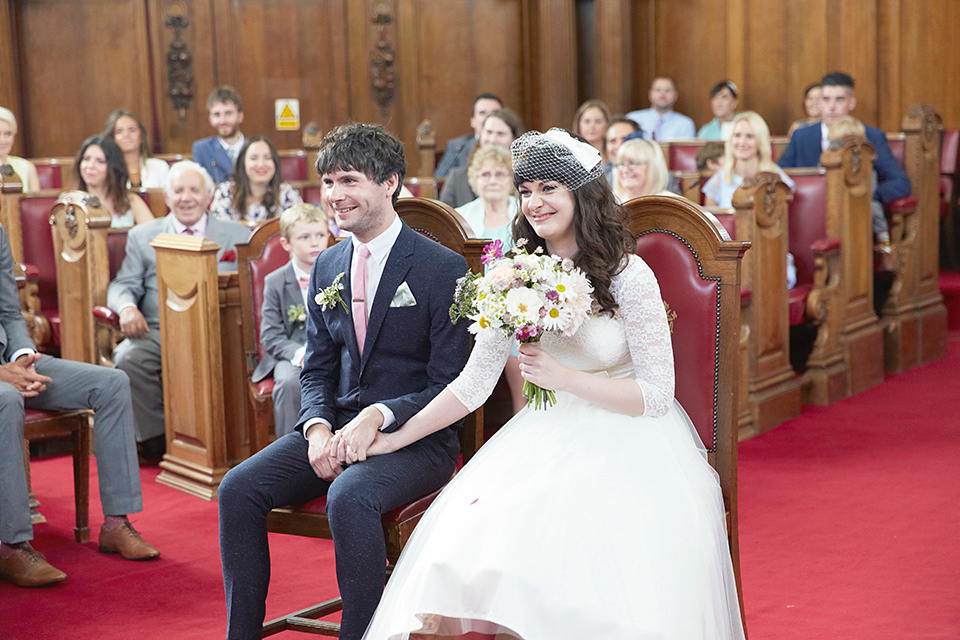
point(849, 520)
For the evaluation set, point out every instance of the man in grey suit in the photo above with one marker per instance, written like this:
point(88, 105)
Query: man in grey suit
point(458, 149)
point(133, 294)
point(33, 381)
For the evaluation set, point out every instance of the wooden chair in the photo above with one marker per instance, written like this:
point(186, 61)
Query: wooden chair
point(47, 425)
point(438, 222)
point(257, 258)
point(293, 165)
point(698, 269)
point(53, 173)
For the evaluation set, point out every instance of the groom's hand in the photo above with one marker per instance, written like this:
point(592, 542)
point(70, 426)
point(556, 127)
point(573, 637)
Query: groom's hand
point(350, 443)
point(324, 464)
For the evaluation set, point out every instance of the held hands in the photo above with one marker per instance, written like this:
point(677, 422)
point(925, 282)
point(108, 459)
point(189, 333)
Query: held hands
point(350, 443)
point(542, 369)
point(132, 323)
point(324, 464)
point(23, 376)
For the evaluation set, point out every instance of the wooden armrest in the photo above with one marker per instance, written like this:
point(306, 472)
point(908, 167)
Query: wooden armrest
point(825, 246)
point(903, 206)
point(106, 316)
point(746, 296)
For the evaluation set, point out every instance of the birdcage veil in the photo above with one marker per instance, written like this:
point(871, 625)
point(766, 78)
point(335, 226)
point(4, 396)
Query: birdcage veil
point(555, 156)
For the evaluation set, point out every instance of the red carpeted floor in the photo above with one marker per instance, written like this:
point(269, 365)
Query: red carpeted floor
point(849, 521)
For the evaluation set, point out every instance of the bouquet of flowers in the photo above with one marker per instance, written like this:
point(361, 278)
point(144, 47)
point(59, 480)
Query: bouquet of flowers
point(523, 295)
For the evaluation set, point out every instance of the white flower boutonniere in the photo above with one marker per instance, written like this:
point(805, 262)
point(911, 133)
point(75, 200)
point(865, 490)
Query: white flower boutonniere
point(329, 297)
point(296, 314)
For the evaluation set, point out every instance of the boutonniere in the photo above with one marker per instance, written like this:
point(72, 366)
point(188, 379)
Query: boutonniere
point(329, 297)
point(296, 314)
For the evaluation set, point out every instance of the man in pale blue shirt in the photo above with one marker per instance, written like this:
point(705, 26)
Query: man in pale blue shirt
point(660, 122)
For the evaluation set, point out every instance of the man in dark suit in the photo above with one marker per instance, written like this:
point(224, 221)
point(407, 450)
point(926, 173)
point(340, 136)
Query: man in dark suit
point(217, 153)
point(133, 294)
point(367, 369)
point(807, 143)
point(458, 149)
point(33, 381)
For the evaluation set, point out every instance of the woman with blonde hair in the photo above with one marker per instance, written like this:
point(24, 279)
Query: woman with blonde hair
point(641, 169)
point(491, 176)
point(23, 168)
point(746, 153)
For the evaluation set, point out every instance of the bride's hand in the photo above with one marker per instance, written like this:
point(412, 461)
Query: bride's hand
point(540, 368)
point(382, 443)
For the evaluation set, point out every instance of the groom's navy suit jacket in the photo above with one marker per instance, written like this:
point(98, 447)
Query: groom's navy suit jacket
point(892, 182)
point(410, 352)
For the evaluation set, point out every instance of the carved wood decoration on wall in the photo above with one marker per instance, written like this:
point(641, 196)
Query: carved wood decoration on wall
point(179, 62)
point(383, 57)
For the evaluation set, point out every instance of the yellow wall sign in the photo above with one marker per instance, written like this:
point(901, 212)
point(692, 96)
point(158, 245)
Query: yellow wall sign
point(287, 114)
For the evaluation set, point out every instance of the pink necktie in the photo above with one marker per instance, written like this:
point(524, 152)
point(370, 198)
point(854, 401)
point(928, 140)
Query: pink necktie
point(358, 284)
point(304, 281)
point(656, 128)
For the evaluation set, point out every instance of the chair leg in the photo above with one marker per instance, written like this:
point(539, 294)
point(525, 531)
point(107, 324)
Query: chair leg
point(35, 516)
point(306, 620)
point(81, 480)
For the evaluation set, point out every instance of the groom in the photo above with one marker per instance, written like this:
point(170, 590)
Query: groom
point(365, 370)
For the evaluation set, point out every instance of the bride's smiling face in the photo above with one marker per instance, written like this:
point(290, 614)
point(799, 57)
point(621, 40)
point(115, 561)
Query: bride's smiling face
point(548, 207)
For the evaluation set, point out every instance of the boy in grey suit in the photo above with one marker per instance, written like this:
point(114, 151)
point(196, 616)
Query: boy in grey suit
point(283, 324)
point(133, 294)
point(29, 380)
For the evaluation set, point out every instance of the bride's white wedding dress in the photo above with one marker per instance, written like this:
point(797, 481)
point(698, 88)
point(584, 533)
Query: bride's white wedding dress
point(576, 522)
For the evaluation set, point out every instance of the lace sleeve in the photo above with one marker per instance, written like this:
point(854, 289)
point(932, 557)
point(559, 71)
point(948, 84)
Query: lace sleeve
point(648, 335)
point(476, 382)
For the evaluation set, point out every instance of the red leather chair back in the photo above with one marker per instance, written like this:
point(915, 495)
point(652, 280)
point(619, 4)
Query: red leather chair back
point(695, 300)
point(683, 156)
point(271, 258)
point(38, 245)
point(949, 151)
point(293, 168)
point(312, 194)
point(116, 250)
point(49, 176)
point(807, 219)
point(414, 188)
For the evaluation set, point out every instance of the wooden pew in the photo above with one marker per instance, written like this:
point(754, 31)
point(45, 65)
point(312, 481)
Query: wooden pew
point(55, 173)
point(427, 185)
point(204, 389)
point(921, 127)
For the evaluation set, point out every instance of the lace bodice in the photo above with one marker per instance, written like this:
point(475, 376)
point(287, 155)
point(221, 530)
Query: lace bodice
point(634, 343)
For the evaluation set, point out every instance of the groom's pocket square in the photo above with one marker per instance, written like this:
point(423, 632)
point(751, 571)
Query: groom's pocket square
point(403, 297)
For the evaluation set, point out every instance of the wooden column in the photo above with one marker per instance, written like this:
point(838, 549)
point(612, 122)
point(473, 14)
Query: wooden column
point(198, 448)
point(773, 388)
point(848, 164)
point(80, 227)
point(922, 127)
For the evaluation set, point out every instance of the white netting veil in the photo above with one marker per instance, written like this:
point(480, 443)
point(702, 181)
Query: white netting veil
point(555, 156)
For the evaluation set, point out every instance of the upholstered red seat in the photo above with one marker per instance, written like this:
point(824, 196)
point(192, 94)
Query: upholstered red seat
point(293, 167)
point(797, 303)
point(318, 506)
point(49, 175)
point(38, 251)
point(312, 193)
point(682, 155)
point(808, 224)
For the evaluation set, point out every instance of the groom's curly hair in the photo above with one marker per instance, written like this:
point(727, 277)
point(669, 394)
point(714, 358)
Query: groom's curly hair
point(367, 148)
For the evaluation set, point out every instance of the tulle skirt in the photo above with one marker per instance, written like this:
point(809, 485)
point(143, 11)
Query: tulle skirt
point(572, 523)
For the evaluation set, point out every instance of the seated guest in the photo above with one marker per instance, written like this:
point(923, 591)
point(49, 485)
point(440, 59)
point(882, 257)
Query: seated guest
point(133, 294)
point(33, 381)
point(747, 153)
point(710, 156)
point(811, 106)
point(283, 324)
point(618, 129)
point(491, 215)
point(131, 136)
point(23, 168)
point(218, 153)
point(101, 172)
point(590, 122)
point(723, 103)
point(807, 143)
point(640, 170)
point(458, 149)
point(255, 191)
point(660, 122)
point(501, 127)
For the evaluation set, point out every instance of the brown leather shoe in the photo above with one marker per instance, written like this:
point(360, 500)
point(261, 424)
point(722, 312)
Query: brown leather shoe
point(27, 567)
point(125, 540)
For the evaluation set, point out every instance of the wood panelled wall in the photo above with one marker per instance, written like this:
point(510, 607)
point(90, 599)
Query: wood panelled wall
point(64, 65)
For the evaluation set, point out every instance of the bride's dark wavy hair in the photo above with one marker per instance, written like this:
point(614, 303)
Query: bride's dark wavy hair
point(603, 240)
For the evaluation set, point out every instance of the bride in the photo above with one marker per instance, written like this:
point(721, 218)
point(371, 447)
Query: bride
point(596, 518)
